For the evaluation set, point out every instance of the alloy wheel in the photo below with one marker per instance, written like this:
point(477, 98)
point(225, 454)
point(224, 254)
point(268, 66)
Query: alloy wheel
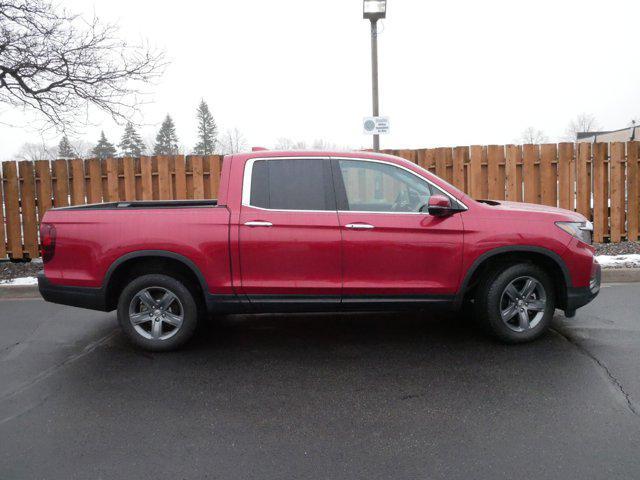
point(523, 303)
point(156, 313)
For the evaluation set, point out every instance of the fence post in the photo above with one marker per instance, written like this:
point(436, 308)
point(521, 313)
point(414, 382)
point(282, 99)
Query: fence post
point(28, 202)
point(511, 173)
point(3, 244)
point(600, 192)
point(565, 177)
point(12, 209)
point(617, 191)
point(583, 182)
point(460, 157)
point(633, 193)
point(495, 156)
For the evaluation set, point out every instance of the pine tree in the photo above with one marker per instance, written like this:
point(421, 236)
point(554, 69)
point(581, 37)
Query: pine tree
point(104, 148)
point(65, 150)
point(166, 140)
point(207, 130)
point(131, 143)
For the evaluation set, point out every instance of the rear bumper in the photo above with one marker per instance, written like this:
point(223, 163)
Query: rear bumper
point(579, 297)
point(83, 297)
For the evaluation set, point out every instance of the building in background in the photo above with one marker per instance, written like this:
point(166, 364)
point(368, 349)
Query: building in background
point(623, 135)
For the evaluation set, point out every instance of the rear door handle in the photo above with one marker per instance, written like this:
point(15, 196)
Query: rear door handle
point(359, 226)
point(258, 224)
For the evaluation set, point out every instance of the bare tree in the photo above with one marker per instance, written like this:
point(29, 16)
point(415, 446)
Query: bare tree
point(36, 151)
point(532, 135)
point(322, 144)
point(82, 148)
point(233, 141)
point(55, 63)
point(584, 122)
point(284, 143)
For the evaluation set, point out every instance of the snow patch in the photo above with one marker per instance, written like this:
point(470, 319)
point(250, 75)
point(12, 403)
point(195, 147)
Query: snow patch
point(16, 282)
point(619, 261)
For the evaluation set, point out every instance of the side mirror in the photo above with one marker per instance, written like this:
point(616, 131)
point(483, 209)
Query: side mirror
point(440, 206)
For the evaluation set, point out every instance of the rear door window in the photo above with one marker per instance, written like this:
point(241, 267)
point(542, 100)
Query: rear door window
point(292, 184)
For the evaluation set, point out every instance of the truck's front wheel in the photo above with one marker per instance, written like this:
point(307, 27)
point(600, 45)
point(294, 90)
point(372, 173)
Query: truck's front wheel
point(516, 302)
point(157, 312)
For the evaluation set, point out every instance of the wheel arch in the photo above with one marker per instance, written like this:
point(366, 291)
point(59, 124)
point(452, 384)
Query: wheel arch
point(152, 260)
point(548, 259)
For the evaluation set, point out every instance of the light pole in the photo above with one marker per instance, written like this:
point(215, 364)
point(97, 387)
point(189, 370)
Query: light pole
point(374, 10)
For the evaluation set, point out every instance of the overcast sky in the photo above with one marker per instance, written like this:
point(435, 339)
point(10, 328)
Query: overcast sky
point(451, 72)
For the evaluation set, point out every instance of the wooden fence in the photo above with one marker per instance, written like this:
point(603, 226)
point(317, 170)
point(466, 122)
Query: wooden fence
point(30, 188)
point(599, 180)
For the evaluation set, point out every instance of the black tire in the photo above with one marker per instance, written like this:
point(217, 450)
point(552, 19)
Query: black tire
point(185, 306)
point(490, 301)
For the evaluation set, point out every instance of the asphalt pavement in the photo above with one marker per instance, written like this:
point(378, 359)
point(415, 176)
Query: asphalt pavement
point(321, 396)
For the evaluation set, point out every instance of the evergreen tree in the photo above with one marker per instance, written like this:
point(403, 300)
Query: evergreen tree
point(131, 143)
point(207, 130)
point(104, 148)
point(65, 150)
point(166, 140)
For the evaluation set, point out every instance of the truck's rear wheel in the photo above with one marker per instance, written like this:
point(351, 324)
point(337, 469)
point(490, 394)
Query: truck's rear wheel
point(157, 312)
point(516, 303)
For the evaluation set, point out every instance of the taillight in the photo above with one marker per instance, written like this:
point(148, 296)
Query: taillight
point(48, 241)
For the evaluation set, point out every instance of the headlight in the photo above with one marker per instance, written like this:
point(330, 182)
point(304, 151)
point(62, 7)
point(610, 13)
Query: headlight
point(581, 230)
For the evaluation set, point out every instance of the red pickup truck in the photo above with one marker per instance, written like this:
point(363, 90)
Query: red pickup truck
point(318, 231)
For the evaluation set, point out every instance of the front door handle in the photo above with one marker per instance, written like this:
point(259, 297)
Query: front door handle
point(359, 226)
point(258, 224)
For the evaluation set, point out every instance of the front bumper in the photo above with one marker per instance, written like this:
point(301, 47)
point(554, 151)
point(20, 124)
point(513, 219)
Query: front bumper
point(83, 297)
point(579, 297)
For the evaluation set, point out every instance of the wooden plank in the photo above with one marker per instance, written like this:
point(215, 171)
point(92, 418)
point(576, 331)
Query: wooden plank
point(407, 155)
point(600, 192)
point(146, 172)
point(129, 173)
point(511, 176)
point(475, 171)
point(3, 241)
point(95, 181)
point(448, 164)
point(12, 209)
point(460, 158)
point(164, 178)
point(633, 191)
point(421, 158)
point(112, 180)
point(214, 174)
point(530, 154)
point(548, 174)
point(565, 185)
point(440, 160)
point(617, 191)
point(28, 204)
point(180, 177)
point(77, 182)
point(583, 180)
point(43, 187)
point(198, 177)
point(519, 179)
point(61, 183)
point(430, 159)
point(495, 155)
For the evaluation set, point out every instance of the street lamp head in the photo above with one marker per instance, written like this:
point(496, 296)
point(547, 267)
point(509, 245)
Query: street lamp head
point(374, 9)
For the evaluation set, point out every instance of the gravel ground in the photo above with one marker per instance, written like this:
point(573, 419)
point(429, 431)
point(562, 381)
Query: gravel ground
point(622, 248)
point(9, 270)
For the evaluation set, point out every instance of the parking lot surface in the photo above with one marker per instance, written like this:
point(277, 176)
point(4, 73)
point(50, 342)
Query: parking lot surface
point(321, 396)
